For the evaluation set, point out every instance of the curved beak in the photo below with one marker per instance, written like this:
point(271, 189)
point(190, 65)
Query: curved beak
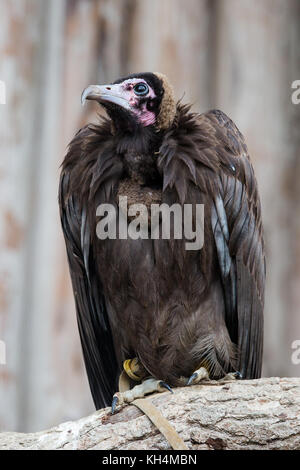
point(105, 93)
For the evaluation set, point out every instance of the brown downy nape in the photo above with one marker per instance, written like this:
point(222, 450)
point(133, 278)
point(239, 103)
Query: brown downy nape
point(168, 104)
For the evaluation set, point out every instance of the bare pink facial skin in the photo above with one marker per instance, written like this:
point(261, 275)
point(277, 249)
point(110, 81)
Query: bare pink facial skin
point(136, 103)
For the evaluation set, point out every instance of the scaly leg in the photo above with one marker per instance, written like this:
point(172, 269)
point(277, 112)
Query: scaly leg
point(149, 385)
point(136, 371)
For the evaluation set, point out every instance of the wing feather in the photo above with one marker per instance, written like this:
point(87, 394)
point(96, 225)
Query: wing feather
point(237, 228)
point(93, 322)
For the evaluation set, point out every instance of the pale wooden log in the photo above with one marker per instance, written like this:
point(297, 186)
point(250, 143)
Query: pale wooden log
point(257, 414)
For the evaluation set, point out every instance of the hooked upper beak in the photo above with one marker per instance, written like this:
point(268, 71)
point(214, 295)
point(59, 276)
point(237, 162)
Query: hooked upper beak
point(105, 93)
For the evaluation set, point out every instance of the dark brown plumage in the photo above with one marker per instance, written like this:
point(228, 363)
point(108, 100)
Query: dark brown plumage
point(173, 309)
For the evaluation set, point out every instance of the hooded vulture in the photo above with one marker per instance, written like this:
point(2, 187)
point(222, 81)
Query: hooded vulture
point(165, 315)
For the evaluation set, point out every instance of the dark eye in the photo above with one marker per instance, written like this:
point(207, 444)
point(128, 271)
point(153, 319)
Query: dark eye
point(141, 89)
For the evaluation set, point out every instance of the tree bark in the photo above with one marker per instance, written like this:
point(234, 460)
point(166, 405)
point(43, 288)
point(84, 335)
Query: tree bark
point(249, 414)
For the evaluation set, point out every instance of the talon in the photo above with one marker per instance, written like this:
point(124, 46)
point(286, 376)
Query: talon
point(238, 375)
point(198, 375)
point(232, 376)
point(192, 378)
point(114, 404)
point(164, 385)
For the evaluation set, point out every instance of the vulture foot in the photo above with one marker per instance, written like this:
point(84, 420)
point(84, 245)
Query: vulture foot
point(202, 374)
point(149, 385)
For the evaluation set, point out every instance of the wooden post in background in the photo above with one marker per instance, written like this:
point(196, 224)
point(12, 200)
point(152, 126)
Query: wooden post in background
point(258, 59)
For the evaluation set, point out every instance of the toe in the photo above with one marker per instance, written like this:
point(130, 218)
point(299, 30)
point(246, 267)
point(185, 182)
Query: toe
point(192, 378)
point(232, 376)
point(238, 375)
point(164, 385)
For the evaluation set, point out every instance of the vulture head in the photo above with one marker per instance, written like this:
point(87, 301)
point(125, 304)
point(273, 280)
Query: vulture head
point(138, 100)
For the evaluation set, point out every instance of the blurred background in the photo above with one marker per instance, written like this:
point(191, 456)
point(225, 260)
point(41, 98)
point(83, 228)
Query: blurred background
point(241, 56)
